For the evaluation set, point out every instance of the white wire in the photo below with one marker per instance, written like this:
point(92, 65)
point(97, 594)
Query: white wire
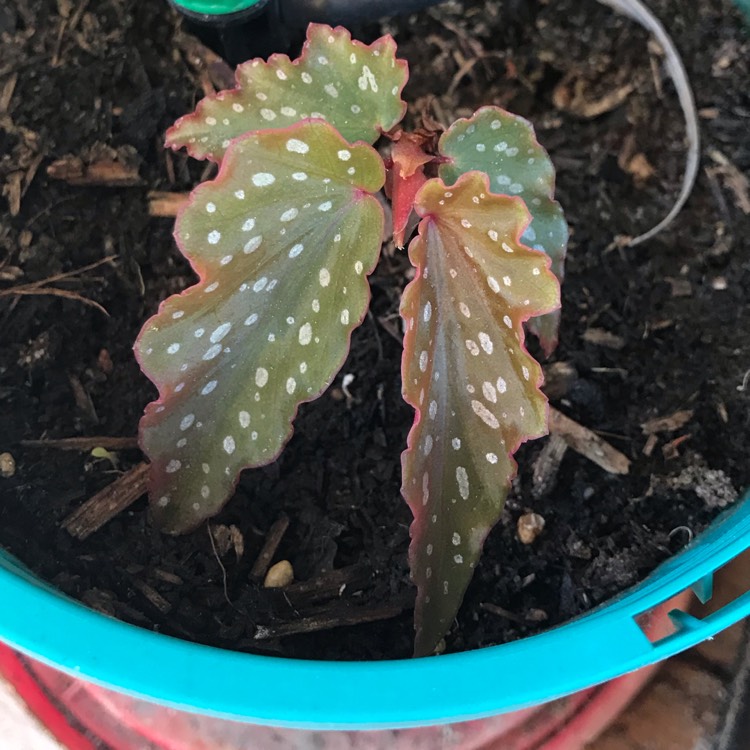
point(638, 12)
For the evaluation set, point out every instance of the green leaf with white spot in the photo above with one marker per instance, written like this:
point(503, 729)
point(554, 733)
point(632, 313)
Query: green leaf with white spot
point(353, 86)
point(504, 147)
point(283, 240)
point(470, 379)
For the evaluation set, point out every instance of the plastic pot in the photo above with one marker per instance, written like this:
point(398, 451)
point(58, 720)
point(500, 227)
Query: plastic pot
point(75, 712)
point(599, 646)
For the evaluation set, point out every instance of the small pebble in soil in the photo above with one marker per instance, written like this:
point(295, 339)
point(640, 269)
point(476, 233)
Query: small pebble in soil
point(279, 575)
point(536, 615)
point(530, 526)
point(7, 465)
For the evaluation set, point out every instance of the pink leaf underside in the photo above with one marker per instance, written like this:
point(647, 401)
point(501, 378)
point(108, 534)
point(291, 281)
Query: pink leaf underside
point(468, 375)
point(504, 147)
point(354, 87)
point(283, 240)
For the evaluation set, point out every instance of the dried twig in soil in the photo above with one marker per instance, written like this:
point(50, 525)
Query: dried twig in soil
point(569, 96)
point(649, 445)
point(333, 584)
point(107, 503)
point(165, 204)
point(68, 24)
point(101, 173)
point(205, 61)
point(153, 596)
point(36, 288)
point(337, 615)
point(600, 337)
point(546, 466)
point(273, 539)
point(83, 399)
point(533, 615)
point(669, 423)
point(587, 443)
point(85, 443)
point(467, 67)
point(501, 612)
point(7, 93)
point(735, 180)
point(21, 291)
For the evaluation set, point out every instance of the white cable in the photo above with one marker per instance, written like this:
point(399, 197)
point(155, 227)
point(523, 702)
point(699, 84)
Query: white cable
point(637, 11)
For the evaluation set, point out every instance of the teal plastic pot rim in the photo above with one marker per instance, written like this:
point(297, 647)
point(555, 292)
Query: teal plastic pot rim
point(597, 647)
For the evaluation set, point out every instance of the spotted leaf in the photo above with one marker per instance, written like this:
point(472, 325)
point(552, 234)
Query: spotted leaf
point(472, 383)
point(355, 87)
point(504, 147)
point(283, 240)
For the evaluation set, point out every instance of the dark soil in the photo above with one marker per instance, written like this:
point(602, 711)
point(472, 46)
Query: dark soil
point(677, 306)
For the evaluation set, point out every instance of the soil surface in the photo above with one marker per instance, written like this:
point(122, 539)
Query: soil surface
point(651, 330)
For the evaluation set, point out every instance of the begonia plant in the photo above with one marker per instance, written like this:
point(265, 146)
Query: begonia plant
point(283, 240)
